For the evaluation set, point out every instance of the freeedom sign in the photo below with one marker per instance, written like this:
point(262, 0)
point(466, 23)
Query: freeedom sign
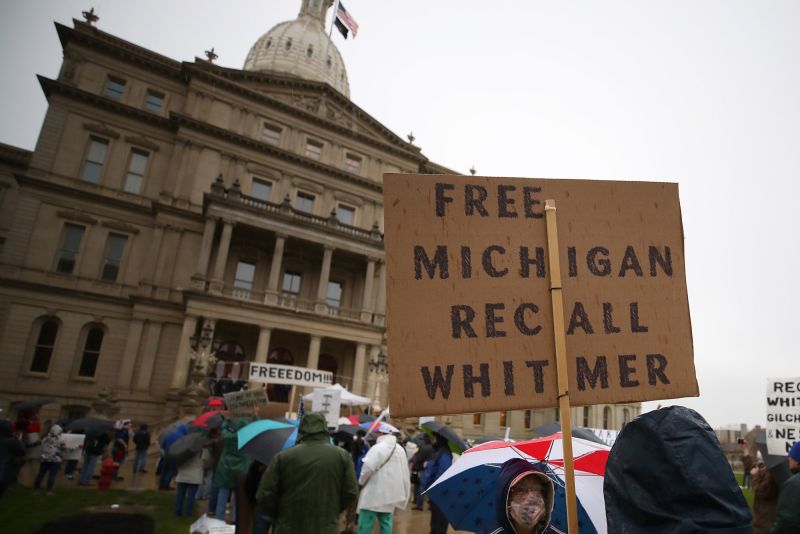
point(470, 325)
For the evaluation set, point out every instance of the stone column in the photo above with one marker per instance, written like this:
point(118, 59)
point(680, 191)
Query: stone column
point(358, 368)
point(148, 276)
point(372, 377)
point(313, 352)
point(380, 308)
point(324, 275)
point(150, 349)
point(130, 353)
point(205, 247)
point(222, 258)
point(271, 295)
point(262, 351)
point(366, 301)
point(181, 369)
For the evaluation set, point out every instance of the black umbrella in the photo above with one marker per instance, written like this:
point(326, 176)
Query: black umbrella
point(185, 448)
point(777, 464)
point(455, 443)
point(34, 404)
point(577, 432)
point(172, 427)
point(484, 439)
point(90, 425)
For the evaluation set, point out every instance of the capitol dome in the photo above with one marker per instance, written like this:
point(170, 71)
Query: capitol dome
point(301, 48)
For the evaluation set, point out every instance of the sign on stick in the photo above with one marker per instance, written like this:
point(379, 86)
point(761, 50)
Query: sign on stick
point(273, 373)
point(243, 402)
point(470, 324)
point(328, 402)
point(783, 414)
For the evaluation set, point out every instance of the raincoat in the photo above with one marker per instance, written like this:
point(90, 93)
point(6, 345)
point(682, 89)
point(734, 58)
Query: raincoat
point(511, 471)
point(386, 482)
point(787, 520)
point(232, 462)
point(307, 486)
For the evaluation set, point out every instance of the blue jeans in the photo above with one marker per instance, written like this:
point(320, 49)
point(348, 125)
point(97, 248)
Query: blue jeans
point(51, 470)
point(212, 498)
point(70, 467)
point(366, 518)
point(140, 461)
point(261, 521)
point(168, 472)
point(222, 500)
point(187, 492)
point(87, 470)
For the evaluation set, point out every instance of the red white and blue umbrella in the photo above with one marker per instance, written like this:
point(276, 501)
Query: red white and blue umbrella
point(382, 427)
point(466, 492)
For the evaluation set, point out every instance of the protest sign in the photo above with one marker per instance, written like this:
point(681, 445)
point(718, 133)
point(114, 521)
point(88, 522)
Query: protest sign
point(470, 322)
point(328, 402)
point(72, 445)
point(243, 402)
point(273, 373)
point(783, 414)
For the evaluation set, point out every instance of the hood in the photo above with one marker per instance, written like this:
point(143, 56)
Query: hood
point(312, 424)
point(510, 471)
point(55, 430)
point(666, 473)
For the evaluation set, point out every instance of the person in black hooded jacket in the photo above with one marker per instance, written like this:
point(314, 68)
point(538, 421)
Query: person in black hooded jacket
point(524, 500)
point(666, 473)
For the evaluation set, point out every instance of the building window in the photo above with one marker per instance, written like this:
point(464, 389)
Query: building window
point(91, 352)
point(607, 417)
point(503, 419)
point(154, 101)
point(586, 416)
point(115, 246)
point(136, 168)
point(314, 149)
point(243, 279)
point(346, 214)
point(115, 87)
point(260, 189)
point(70, 247)
point(334, 297)
point(272, 134)
point(304, 202)
point(291, 282)
point(528, 416)
point(477, 419)
point(45, 345)
point(95, 157)
point(352, 163)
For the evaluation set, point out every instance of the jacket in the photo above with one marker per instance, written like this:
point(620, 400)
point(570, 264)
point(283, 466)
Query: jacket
point(191, 471)
point(52, 446)
point(438, 462)
point(142, 440)
point(511, 471)
point(385, 480)
point(787, 518)
point(11, 449)
point(765, 496)
point(307, 486)
point(666, 473)
point(232, 462)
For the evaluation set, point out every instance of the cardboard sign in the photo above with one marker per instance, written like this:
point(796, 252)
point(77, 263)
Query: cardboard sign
point(273, 373)
point(328, 402)
point(783, 414)
point(470, 324)
point(243, 402)
point(72, 444)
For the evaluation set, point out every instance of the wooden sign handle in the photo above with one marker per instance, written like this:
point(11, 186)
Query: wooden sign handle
point(561, 362)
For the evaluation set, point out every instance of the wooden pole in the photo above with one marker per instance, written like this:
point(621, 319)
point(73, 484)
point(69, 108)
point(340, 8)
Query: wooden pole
point(561, 362)
point(292, 395)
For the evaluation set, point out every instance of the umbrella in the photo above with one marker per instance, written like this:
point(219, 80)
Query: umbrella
point(465, 493)
point(184, 448)
point(210, 420)
point(359, 418)
point(90, 425)
point(577, 432)
point(345, 433)
point(33, 404)
point(348, 399)
point(382, 427)
point(455, 443)
point(263, 439)
point(777, 464)
point(170, 428)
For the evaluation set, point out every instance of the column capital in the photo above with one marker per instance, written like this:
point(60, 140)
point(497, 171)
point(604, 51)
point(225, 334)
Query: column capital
point(281, 236)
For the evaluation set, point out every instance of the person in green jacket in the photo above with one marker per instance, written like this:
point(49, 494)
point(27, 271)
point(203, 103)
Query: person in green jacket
point(232, 465)
point(307, 486)
point(787, 520)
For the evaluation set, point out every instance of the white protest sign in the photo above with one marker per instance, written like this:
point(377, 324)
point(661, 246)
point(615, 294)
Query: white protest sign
point(226, 529)
point(328, 402)
point(783, 414)
point(273, 373)
point(243, 402)
point(72, 443)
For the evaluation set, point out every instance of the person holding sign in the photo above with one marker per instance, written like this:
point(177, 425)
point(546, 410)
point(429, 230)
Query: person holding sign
point(787, 520)
point(765, 492)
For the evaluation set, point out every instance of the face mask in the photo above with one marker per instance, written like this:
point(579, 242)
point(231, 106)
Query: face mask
point(526, 509)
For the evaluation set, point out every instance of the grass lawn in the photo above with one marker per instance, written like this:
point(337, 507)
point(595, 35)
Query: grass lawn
point(748, 493)
point(23, 513)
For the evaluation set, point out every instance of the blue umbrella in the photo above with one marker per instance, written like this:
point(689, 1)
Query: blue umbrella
point(263, 439)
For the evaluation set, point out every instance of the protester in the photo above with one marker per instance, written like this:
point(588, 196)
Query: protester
point(524, 501)
point(122, 438)
point(28, 427)
point(93, 447)
point(417, 468)
point(214, 445)
point(141, 440)
point(232, 467)
point(12, 452)
point(765, 492)
point(787, 518)
point(440, 460)
point(358, 449)
point(385, 485)
point(189, 478)
point(261, 521)
point(307, 486)
point(666, 473)
point(50, 461)
point(168, 467)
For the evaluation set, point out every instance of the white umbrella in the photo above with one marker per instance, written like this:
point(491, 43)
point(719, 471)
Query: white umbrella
point(348, 399)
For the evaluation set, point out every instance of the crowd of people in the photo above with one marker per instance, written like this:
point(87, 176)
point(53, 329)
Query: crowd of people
point(326, 485)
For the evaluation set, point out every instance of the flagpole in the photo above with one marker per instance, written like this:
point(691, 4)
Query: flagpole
point(330, 38)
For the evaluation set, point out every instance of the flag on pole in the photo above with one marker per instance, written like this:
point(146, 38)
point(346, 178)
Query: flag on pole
point(344, 22)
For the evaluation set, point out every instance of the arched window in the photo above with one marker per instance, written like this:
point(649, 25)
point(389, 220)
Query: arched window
point(607, 417)
point(91, 351)
point(45, 345)
point(231, 351)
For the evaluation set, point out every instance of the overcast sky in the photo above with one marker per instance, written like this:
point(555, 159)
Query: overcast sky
point(705, 94)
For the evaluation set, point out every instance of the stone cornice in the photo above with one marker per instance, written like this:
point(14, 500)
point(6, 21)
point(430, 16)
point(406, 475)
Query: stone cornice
point(18, 157)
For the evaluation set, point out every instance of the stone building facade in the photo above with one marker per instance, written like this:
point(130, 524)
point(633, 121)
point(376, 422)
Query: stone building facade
point(165, 200)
